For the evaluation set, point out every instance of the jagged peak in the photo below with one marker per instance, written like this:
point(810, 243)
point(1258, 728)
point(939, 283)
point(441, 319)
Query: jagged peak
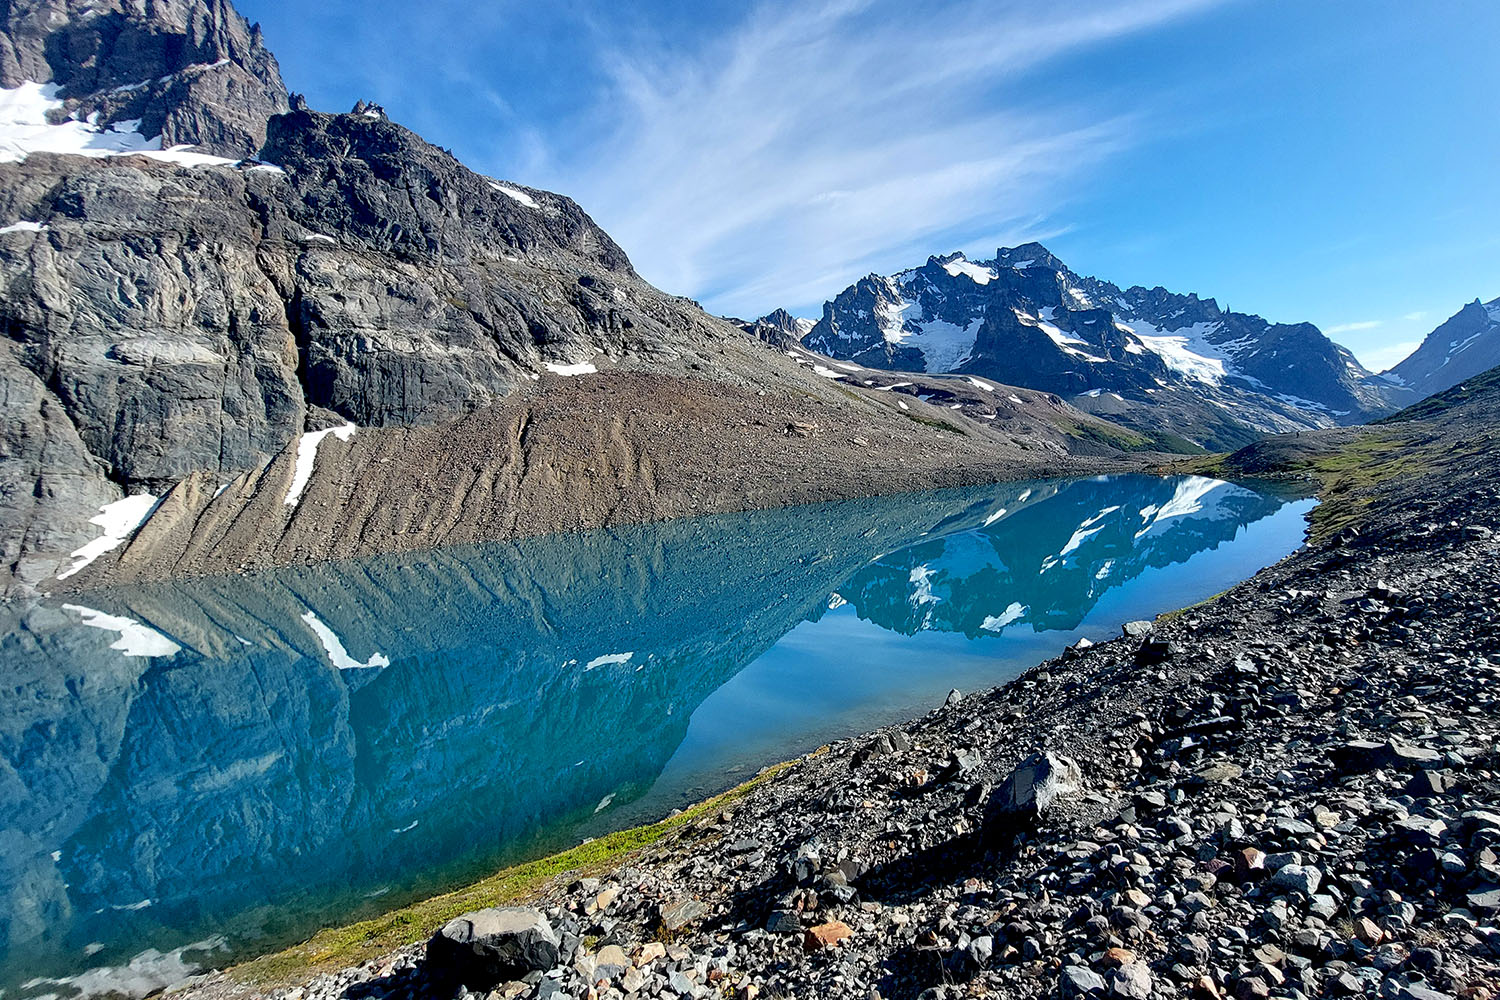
point(1026, 255)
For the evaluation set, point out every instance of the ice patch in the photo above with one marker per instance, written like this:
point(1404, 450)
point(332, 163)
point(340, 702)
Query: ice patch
point(135, 639)
point(515, 194)
point(307, 456)
point(582, 368)
point(607, 659)
point(1187, 350)
point(119, 521)
point(979, 275)
point(994, 623)
point(24, 129)
point(334, 647)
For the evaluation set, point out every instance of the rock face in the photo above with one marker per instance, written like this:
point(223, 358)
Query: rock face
point(1464, 346)
point(176, 322)
point(487, 947)
point(778, 328)
point(1149, 358)
point(190, 71)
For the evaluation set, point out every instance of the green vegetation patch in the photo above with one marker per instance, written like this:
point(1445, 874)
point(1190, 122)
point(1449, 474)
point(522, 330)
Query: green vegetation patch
point(340, 947)
point(1349, 465)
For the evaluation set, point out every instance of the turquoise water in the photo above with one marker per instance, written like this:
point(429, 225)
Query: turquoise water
point(192, 771)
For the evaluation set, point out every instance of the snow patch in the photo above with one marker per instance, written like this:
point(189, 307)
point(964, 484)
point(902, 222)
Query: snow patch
point(135, 639)
point(515, 194)
point(1187, 351)
point(24, 227)
point(582, 368)
point(994, 623)
point(307, 456)
point(978, 274)
point(119, 521)
point(25, 129)
point(334, 647)
point(607, 659)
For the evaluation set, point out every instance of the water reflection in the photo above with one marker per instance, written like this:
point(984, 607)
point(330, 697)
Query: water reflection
point(225, 762)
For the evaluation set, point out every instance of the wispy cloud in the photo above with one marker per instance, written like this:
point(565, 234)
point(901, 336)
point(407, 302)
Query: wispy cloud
point(1387, 356)
point(1368, 324)
point(1414, 317)
point(801, 147)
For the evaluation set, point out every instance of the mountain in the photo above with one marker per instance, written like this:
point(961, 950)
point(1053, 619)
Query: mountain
point(243, 332)
point(778, 328)
point(1467, 344)
point(1146, 358)
point(189, 73)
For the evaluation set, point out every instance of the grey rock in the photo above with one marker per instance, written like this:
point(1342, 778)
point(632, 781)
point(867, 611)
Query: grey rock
point(677, 915)
point(1080, 981)
point(1304, 879)
point(1035, 786)
point(487, 947)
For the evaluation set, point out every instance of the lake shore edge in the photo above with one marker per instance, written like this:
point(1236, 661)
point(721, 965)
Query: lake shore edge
point(1179, 733)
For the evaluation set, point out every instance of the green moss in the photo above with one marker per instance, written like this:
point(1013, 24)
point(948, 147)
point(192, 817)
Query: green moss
point(338, 947)
point(1349, 473)
point(933, 422)
point(1107, 434)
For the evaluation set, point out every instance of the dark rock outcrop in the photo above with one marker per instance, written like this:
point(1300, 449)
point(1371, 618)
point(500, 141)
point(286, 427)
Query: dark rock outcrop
point(192, 71)
point(482, 949)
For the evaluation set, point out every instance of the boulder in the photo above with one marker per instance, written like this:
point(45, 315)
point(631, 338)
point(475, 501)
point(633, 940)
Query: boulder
point(491, 946)
point(1034, 787)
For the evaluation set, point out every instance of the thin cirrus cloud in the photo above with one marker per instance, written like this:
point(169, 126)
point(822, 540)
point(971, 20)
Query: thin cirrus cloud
point(1368, 324)
point(774, 162)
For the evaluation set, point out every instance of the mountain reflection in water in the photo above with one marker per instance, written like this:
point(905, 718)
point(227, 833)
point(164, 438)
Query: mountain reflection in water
point(228, 764)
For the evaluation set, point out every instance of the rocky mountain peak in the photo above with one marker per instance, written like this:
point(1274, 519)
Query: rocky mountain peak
point(193, 72)
point(1028, 255)
point(1149, 358)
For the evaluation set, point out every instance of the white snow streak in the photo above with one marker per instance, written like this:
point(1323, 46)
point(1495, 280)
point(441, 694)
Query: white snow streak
point(119, 521)
point(135, 639)
point(307, 456)
point(334, 647)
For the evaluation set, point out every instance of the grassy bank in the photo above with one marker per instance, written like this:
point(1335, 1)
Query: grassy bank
point(340, 947)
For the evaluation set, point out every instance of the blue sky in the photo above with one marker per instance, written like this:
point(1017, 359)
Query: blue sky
point(1319, 160)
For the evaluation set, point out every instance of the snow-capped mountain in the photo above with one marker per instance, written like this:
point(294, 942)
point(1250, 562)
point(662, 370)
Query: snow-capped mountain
point(1148, 358)
point(1467, 344)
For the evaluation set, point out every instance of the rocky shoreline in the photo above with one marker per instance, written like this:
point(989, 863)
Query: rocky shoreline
point(1290, 791)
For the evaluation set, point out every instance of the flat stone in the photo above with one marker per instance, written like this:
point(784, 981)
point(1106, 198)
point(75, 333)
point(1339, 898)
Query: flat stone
point(1035, 786)
point(679, 914)
point(1079, 981)
point(826, 935)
